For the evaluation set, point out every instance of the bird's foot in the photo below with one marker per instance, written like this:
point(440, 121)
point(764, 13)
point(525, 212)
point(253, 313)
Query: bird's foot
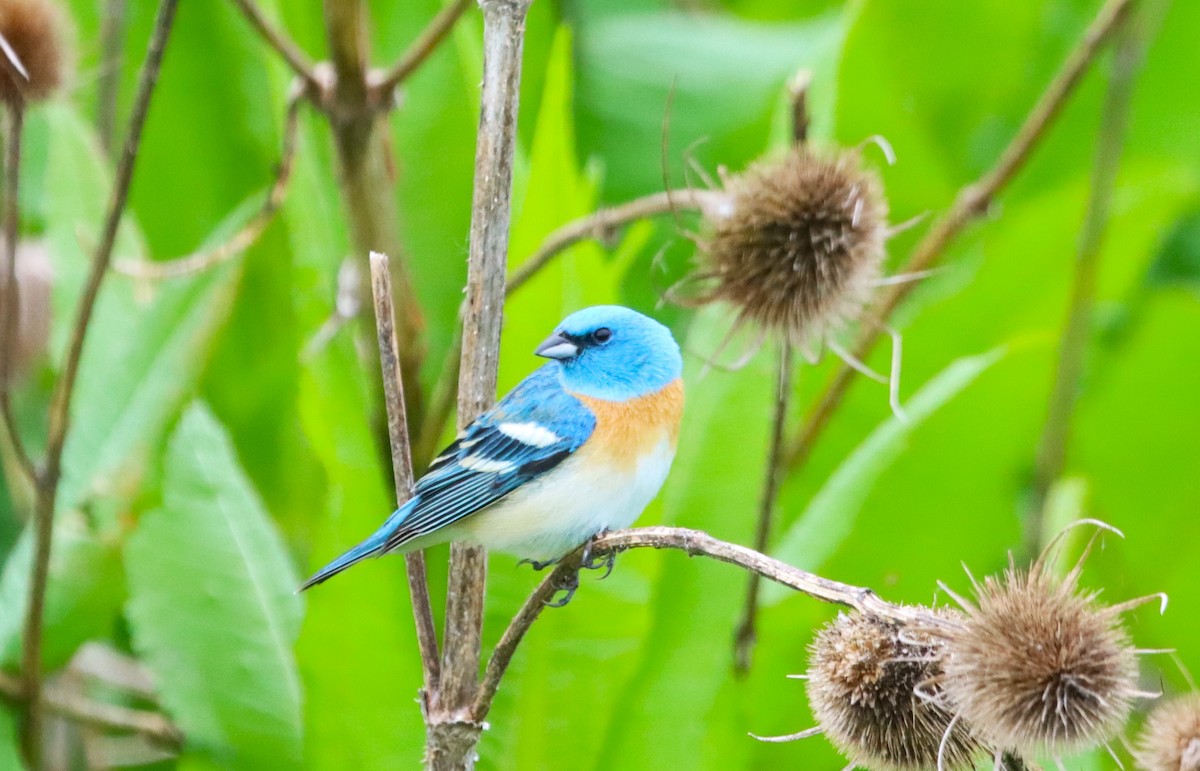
point(570, 582)
point(537, 565)
point(591, 561)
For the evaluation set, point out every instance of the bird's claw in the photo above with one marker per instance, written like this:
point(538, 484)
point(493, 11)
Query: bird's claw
point(597, 561)
point(569, 584)
point(537, 565)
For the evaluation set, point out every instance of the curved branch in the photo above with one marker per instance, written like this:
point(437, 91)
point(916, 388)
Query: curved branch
point(694, 543)
point(425, 44)
point(287, 49)
point(244, 238)
point(971, 202)
point(599, 225)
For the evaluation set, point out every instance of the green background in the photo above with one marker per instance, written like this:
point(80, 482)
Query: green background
point(216, 459)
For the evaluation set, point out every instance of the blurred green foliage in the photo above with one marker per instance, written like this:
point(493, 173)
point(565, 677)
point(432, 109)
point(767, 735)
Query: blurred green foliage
point(217, 455)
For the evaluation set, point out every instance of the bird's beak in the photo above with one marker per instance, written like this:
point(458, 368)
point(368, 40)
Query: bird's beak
point(557, 346)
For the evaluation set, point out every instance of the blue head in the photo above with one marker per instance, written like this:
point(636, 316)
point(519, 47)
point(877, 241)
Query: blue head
point(614, 353)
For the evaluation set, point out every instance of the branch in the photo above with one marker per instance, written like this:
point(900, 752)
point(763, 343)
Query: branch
point(425, 44)
point(11, 301)
point(694, 543)
point(60, 406)
point(287, 49)
point(971, 202)
point(746, 635)
point(96, 714)
point(1052, 449)
point(108, 88)
point(452, 737)
point(601, 224)
point(244, 238)
point(402, 471)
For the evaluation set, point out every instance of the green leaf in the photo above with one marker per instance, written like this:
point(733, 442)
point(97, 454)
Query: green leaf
point(829, 519)
point(212, 607)
point(10, 749)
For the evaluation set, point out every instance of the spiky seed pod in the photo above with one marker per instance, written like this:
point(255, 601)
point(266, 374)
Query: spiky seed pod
point(1038, 666)
point(1171, 739)
point(799, 244)
point(863, 680)
point(36, 31)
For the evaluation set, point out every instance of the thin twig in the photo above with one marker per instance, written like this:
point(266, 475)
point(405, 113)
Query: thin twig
point(112, 47)
point(248, 234)
point(60, 406)
point(402, 470)
point(971, 202)
point(694, 543)
point(601, 224)
point(287, 49)
point(11, 302)
point(453, 734)
point(425, 44)
point(747, 635)
point(101, 715)
point(1052, 449)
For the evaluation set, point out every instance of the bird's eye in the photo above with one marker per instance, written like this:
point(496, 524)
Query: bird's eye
point(602, 335)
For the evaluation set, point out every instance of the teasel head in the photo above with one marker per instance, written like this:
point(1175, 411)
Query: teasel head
point(796, 245)
point(1037, 666)
point(872, 688)
point(33, 50)
point(1170, 740)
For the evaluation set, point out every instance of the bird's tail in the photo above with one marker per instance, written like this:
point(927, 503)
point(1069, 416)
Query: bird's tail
point(373, 546)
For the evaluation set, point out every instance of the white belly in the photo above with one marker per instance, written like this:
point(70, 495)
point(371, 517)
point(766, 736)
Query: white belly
point(549, 517)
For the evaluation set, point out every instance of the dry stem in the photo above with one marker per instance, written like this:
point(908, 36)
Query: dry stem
point(971, 202)
point(245, 237)
point(402, 471)
point(11, 301)
point(1052, 449)
point(425, 44)
point(108, 87)
point(694, 543)
point(453, 731)
point(60, 407)
point(287, 49)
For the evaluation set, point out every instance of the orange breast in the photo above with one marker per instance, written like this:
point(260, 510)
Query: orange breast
point(626, 431)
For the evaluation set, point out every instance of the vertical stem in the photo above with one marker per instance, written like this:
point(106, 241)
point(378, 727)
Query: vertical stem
point(747, 635)
point(367, 179)
point(1052, 449)
point(11, 302)
point(112, 47)
point(402, 471)
point(60, 405)
point(454, 731)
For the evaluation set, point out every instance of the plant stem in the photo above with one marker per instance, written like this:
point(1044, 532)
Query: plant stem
point(287, 49)
point(112, 47)
point(402, 471)
point(60, 406)
point(11, 302)
point(694, 543)
point(747, 636)
point(453, 730)
point(1052, 449)
point(425, 44)
point(971, 202)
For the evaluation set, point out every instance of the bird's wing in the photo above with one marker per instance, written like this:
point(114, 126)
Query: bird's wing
point(536, 427)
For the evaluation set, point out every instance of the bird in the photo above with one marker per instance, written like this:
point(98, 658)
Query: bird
point(579, 447)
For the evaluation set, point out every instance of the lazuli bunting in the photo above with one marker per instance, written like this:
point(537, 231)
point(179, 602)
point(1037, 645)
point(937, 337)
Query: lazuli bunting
point(579, 447)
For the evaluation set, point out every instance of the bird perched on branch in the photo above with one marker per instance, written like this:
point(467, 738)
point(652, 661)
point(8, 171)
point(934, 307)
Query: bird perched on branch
point(579, 447)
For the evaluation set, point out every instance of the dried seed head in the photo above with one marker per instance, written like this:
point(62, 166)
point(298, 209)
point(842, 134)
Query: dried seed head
point(1038, 666)
point(35, 31)
point(1171, 738)
point(799, 244)
point(872, 687)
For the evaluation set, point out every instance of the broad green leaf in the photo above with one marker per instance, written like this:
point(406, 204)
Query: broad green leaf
point(10, 748)
point(830, 516)
point(212, 607)
point(360, 708)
